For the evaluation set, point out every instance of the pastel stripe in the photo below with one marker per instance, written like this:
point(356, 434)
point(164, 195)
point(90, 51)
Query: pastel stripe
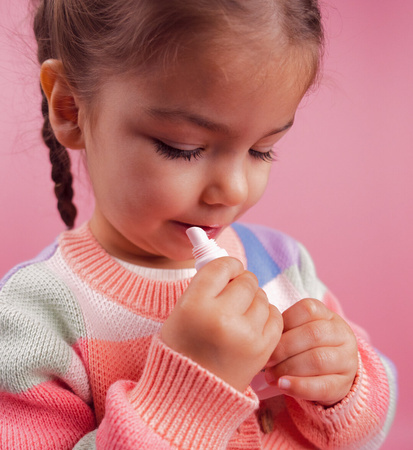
point(42, 256)
point(259, 261)
point(49, 317)
point(103, 318)
point(51, 418)
point(282, 249)
point(281, 292)
point(391, 373)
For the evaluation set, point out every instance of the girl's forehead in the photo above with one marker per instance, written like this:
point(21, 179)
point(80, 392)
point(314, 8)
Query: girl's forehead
point(214, 79)
point(245, 72)
point(234, 94)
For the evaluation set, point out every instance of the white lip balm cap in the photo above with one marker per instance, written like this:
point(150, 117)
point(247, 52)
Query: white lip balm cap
point(205, 250)
point(197, 236)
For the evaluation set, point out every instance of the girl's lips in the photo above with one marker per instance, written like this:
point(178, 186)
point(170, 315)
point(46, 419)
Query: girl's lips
point(212, 231)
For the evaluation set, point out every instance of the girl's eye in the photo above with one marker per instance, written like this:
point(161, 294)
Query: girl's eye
point(170, 152)
point(269, 156)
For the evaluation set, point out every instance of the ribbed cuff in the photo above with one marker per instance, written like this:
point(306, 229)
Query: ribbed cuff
point(356, 420)
point(348, 408)
point(187, 405)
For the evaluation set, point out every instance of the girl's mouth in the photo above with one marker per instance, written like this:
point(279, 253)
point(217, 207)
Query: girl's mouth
point(211, 230)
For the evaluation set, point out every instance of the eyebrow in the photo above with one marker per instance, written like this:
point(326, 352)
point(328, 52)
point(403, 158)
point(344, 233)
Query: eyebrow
point(203, 122)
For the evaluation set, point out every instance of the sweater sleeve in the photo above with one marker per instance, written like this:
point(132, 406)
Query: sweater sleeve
point(185, 405)
point(46, 399)
point(364, 416)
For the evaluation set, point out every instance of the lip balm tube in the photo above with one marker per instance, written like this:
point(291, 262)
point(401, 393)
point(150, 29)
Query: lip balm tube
point(205, 249)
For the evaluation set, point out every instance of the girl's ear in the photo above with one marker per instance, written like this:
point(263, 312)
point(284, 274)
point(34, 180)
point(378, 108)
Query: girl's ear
point(63, 105)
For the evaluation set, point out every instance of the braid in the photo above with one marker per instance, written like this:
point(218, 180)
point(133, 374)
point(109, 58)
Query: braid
point(61, 174)
point(59, 156)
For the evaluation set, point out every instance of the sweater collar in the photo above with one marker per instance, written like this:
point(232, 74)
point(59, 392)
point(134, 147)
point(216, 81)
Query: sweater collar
point(153, 299)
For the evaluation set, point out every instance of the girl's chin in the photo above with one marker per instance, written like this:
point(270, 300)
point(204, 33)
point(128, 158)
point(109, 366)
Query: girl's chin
point(179, 262)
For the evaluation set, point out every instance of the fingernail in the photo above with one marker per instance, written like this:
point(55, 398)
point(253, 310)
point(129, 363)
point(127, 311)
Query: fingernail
point(284, 384)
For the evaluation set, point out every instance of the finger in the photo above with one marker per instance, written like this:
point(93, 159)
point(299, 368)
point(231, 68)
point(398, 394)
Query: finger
point(317, 361)
point(258, 310)
point(326, 389)
point(240, 293)
point(318, 333)
point(274, 326)
point(304, 311)
point(213, 278)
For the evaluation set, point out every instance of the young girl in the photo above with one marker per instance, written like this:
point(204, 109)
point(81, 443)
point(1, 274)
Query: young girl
point(108, 338)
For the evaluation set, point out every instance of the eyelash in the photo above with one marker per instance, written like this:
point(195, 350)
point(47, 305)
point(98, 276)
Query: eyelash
point(175, 153)
point(269, 156)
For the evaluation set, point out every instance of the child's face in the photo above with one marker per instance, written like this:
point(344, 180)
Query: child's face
point(147, 194)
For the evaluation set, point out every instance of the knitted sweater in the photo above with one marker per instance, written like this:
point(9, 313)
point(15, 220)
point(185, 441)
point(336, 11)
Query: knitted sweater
point(82, 364)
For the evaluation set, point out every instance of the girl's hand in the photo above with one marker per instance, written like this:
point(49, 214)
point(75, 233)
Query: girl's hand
point(224, 322)
point(316, 358)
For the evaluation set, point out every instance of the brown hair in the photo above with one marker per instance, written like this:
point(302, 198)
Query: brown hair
point(93, 38)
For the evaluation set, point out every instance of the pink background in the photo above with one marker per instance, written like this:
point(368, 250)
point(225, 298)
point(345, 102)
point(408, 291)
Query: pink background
point(343, 184)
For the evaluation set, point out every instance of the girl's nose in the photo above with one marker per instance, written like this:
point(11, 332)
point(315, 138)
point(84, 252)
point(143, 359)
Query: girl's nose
point(226, 185)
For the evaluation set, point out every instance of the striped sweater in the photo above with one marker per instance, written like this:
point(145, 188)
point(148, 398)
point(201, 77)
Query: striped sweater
point(82, 364)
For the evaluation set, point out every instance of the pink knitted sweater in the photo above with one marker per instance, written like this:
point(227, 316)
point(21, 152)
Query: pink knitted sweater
point(82, 364)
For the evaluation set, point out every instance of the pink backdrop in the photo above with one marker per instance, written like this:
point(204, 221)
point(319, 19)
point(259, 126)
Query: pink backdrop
point(343, 184)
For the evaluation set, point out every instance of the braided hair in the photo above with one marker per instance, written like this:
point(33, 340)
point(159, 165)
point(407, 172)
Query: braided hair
point(58, 154)
point(61, 173)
